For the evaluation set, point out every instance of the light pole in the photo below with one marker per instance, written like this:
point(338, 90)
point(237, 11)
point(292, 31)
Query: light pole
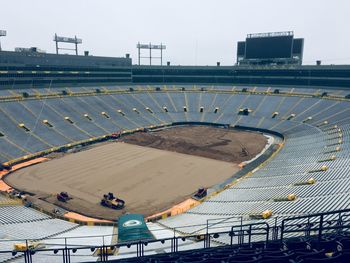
point(2, 34)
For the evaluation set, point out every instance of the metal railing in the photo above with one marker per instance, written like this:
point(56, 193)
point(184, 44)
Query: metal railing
point(316, 224)
point(239, 233)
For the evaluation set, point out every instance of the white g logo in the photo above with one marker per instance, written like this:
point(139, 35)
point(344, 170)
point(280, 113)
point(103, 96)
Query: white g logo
point(131, 223)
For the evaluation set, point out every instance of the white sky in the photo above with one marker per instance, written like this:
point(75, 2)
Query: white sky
point(196, 32)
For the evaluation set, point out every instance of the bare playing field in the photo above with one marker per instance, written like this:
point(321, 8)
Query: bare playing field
point(216, 143)
point(149, 180)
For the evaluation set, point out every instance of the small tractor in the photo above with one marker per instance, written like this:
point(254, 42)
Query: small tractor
point(63, 197)
point(200, 194)
point(109, 200)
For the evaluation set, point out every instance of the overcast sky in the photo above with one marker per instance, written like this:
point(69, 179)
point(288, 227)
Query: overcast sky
point(196, 32)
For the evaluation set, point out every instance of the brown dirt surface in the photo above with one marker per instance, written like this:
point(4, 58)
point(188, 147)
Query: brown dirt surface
point(149, 180)
point(210, 142)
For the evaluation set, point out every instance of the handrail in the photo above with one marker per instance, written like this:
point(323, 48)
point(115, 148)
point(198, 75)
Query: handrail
point(317, 214)
point(241, 231)
point(317, 224)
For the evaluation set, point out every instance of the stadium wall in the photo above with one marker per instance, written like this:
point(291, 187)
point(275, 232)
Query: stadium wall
point(309, 76)
point(41, 70)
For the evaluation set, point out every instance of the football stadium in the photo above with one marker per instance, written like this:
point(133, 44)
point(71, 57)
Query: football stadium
point(103, 159)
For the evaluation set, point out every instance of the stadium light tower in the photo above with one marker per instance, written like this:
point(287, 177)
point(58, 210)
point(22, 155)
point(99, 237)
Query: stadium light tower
point(150, 47)
point(72, 40)
point(2, 34)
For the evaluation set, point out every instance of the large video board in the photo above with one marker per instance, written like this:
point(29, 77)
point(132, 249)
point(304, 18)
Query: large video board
point(269, 47)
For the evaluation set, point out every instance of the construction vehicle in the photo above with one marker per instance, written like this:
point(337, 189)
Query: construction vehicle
point(200, 194)
point(116, 135)
point(25, 246)
point(5, 167)
point(110, 251)
point(63, 197)
point(109, 200)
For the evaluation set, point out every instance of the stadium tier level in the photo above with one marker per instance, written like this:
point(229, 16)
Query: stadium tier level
point(115, 171)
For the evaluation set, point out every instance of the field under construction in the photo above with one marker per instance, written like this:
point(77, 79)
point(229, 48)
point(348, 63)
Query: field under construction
point(151, 171)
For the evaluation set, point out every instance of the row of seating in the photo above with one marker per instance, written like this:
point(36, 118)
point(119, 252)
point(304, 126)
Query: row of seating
point(78, 118)
point(334, 248)
point(19, 214)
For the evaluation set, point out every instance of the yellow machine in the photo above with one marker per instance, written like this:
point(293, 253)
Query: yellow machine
point(290, 197)
point(264, 215)
point(108, 250)
point(109, 200)
point(24, 246)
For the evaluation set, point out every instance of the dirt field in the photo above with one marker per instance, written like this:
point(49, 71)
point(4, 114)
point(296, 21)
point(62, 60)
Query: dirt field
point(149, 180)
point(216, 143)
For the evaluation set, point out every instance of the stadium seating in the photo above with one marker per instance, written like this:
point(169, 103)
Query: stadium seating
point(316, 146)
point(301, 250)
point(19, 214)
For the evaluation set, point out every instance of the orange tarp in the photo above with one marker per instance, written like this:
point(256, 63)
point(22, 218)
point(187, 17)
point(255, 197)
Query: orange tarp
point(22, 165)
point(3, 186)
point(79, 217)
point(241, 165)
point(179, 208)
point(28, 163)
point(184, 206)
point(2, 173)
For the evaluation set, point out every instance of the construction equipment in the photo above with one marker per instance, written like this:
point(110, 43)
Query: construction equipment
point(109, 200)
point(25, 246)
point(116, 135)
point(110, 251)
point(63, 197)
point(5, 167)
point(200, 194)
point(264, 215)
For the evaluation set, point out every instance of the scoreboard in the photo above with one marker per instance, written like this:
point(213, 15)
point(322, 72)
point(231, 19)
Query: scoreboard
point(265, 48)
point(269, 47)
